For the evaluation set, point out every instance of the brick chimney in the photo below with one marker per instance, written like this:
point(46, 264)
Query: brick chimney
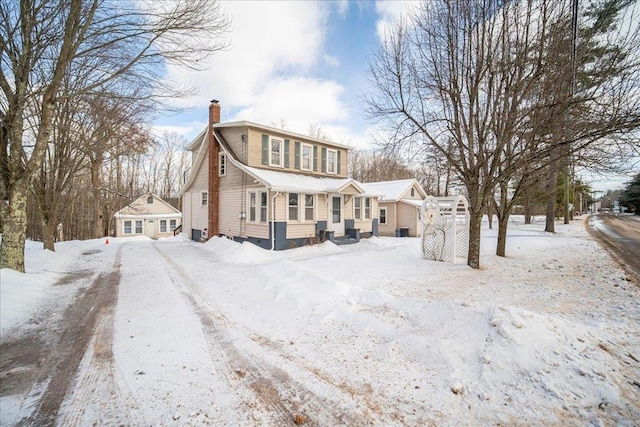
point(214, 179)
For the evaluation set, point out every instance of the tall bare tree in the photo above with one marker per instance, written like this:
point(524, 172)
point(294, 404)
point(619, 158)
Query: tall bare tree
point(107, 44)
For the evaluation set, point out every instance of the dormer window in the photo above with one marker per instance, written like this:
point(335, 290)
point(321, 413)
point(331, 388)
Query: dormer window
point(150, 199)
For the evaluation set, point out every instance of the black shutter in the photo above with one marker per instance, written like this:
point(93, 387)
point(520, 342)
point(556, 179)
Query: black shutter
point(286, 153)
point(297, 154)
point(324, 160)
point(338, 167)
point(315, 158)
point(265, 149)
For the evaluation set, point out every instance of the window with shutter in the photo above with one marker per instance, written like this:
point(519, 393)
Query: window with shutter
point(297, 154)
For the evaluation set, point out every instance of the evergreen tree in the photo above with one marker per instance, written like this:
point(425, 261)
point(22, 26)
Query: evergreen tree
point(630, 196)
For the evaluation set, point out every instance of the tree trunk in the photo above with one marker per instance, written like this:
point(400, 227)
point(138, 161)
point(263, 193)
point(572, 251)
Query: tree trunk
point(490, 216)
point(49, 233)
point(98, 225)
point(526, 207)
point(475, 226)
point(15, 230)
point(503, 222)
point(552, 185)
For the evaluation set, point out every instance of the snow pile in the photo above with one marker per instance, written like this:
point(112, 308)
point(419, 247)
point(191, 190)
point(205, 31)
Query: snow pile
point(370, 333)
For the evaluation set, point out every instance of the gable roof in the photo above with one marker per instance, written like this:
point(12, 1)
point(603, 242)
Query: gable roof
point(140, 207)
point(392, 191)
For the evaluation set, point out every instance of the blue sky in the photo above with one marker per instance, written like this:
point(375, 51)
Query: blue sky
point(298, 61)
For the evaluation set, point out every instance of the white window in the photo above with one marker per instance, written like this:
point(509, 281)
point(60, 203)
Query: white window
point(257, 206)
point(309, 208)
point(127, 227)
point(275, 154)
point(383, 215)
point(367, 208)
point(204, 197)
point(307, 156)
point(263, 207)
point(332, 155)
point(172, 224)
point(163, 225)
point(252, 207)
point(139, 227)
point(222, 164)
point(357, 208)
point(293, 206)
point(150, 199)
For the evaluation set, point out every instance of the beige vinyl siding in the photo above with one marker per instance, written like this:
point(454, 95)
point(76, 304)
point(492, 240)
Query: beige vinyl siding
point(408, 217)
point(306, 230)
point(322, 208)
point(348, 208)
point(366, 225)
point(198, 216)
point(255, 153)
point(199, 213)
point(281, 206)
point(186, 213)
point(416, 193)
point(233, 136)
point(234, 176)
point(140, 206)
point(390, 228)
point(229, 208)
point(260, 231)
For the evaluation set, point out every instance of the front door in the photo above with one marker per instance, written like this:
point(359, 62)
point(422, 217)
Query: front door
point(336, 220)
point(150, 229)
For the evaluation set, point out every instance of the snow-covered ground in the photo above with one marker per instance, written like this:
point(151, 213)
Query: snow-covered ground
point(223, 333)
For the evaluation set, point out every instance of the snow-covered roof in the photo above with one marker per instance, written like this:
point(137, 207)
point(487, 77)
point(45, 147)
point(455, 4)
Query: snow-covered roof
point(298, 183)
point(392, 191)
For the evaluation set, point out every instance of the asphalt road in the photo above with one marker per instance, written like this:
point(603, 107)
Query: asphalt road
point(620, 235)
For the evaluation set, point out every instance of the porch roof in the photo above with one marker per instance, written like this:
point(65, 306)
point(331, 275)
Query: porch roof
point(299, 183)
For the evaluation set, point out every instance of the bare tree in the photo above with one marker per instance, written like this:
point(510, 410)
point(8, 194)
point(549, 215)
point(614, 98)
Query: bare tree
point(103, 43)
point(484, 75)
point(376, 166)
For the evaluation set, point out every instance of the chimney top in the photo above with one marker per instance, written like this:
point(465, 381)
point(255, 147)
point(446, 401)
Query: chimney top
point(214, 101)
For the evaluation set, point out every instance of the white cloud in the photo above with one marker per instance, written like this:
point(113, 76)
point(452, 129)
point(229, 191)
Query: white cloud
point(297, 100)
point(391, 11)
point(266, 39)
point(332, 61)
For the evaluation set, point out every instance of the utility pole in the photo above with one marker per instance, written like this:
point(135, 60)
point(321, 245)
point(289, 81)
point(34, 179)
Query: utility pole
point(574, 44)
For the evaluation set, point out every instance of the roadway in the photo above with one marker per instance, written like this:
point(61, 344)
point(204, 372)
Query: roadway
point(620, 235)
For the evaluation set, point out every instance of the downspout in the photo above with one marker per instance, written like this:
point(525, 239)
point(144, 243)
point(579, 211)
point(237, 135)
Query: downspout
point(273, 221)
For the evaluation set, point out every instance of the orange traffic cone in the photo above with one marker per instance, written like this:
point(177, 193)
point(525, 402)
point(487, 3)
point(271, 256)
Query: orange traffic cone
point(107, 242)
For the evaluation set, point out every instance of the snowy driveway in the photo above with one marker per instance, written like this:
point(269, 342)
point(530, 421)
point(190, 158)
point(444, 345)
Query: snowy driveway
point(369, 334)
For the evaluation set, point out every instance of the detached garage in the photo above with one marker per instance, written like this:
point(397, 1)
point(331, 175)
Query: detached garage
point(148, 216)
point(399, 206)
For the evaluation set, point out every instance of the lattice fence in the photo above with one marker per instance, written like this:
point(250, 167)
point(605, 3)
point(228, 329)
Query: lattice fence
point(445, 229)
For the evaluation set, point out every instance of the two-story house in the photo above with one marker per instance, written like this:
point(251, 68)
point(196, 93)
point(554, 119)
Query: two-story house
point(272, 187)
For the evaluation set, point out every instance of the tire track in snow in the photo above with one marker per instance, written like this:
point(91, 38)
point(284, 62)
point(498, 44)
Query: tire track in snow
point(80, 319)
point(288, 401)
point(97, 387)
